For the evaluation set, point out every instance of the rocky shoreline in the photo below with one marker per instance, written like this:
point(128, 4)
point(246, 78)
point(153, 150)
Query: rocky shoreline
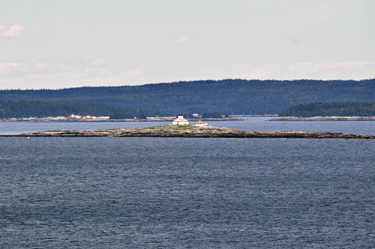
point(189, 131)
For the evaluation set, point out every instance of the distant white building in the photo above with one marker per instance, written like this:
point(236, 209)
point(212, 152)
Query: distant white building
point(180, 121)
point(75, 116)
point(201, 123)
point(88, 117)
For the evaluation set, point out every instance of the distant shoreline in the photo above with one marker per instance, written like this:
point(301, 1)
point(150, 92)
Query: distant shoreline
point(329, 118)
point(161, 119)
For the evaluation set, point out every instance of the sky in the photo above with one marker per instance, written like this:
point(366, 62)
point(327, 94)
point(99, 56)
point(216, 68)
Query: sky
point(54, 44)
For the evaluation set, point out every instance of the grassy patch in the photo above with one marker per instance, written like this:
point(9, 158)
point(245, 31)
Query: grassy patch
point(172, 127)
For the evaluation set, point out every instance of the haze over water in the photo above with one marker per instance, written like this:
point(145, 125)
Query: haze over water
point(188, 192)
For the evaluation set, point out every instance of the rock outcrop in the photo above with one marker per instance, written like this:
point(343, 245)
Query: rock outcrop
point(189, 131)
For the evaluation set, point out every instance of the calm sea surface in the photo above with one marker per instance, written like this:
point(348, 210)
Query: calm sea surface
point(187, 192)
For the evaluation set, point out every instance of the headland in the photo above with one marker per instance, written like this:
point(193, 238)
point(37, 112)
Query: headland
point(327, 118)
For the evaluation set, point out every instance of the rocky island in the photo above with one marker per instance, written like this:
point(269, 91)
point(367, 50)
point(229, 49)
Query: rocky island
point(189, 131)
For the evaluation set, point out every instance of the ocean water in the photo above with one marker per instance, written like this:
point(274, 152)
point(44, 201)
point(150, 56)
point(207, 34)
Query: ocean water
point(188, 192)
point(252, 124)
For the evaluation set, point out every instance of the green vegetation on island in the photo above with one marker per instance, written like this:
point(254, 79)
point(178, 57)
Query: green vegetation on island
point(172, 127)
point(362, 109)
point(231, 96)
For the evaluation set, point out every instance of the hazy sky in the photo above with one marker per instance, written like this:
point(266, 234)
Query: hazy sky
point(71, 43)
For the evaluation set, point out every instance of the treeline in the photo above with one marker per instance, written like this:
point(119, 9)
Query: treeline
point(330, 109)
point(231, 96)
point(25, 109)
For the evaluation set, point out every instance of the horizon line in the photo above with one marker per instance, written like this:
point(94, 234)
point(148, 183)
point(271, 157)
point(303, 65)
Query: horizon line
point(174, 82)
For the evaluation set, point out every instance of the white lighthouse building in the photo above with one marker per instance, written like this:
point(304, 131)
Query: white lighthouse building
point(180, 121)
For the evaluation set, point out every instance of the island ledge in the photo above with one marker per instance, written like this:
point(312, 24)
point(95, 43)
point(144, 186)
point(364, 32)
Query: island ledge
point(189, 131)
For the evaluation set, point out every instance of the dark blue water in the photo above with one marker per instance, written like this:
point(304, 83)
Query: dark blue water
point(186, 193)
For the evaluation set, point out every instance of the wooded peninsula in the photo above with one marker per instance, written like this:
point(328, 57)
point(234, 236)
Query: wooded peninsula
point(227, 97)
point(342, 109)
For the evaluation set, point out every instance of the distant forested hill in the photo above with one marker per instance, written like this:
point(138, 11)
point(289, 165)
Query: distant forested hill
point(330, 109)
point(25, 109)
point(232, 96)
